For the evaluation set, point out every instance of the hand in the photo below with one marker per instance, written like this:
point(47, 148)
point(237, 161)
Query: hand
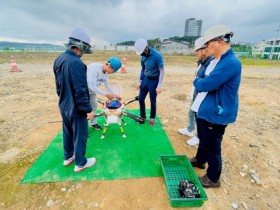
point(138, 86)
point(117, 97)
point(90, 115)
point(109, 96)
point(158, 90)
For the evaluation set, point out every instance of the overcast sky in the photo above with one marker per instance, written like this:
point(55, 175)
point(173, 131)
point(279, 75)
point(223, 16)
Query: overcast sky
point(51, 21)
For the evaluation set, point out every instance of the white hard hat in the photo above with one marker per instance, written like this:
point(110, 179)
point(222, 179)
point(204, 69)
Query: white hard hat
point(199, 43)
point(81, 35)
point(140, 46)
point(217, 31)
point(80, 39)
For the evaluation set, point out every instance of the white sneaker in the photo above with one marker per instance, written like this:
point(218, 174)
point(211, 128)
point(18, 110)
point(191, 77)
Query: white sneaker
point(185, 131)
point(193, 141)
point(69, 161)
point(90, 162)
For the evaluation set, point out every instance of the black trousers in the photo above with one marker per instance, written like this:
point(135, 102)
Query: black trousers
point(148, 86)
point(209, 148)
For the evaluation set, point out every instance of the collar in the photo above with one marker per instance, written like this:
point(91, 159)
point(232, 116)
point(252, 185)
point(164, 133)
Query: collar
point(71, 52)
point(229, 52)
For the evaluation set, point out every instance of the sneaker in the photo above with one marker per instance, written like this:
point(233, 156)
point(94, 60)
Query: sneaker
point(185, 131)
point(152, 122)
point(193, 141)
point(69, 161)
point(196, 164)
point(96, 126)
point(90, 162)
point(207, 183)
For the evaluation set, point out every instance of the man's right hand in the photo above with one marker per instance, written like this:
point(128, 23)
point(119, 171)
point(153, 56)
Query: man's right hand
point(138, 86)
point(109, 96)
point(90, 115)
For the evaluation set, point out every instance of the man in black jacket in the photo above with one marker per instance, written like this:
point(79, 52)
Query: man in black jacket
point(74, 103)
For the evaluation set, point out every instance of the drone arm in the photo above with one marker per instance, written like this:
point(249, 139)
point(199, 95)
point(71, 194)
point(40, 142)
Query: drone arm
point(135, 99)
point(100, 101)
point(99, 115)
point(133, 116)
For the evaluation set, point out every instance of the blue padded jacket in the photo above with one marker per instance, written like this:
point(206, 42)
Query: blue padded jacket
point(220, 106)
point(71, 85)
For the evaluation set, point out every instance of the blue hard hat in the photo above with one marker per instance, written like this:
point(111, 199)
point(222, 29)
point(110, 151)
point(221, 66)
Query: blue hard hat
point(115, 63)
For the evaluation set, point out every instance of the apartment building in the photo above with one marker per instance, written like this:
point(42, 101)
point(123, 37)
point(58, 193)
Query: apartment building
point(193, 27)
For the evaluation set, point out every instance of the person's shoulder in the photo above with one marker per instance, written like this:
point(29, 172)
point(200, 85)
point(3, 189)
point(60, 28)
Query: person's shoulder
point(154, 51)
point(233, 58)
point(156, 54)
point(95, 66)
point(231, 62)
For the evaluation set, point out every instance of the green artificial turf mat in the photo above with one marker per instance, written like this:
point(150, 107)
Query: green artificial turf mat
point(137, 155)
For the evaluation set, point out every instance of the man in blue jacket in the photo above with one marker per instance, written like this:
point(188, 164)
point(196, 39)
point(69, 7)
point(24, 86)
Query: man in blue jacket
point(219, 104)
point(74, 103)
point(151, 77)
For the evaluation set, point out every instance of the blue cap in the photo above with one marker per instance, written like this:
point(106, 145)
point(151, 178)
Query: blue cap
point(115, 63)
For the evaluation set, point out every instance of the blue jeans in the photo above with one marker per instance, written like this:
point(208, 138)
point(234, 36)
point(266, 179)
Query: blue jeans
point(209, 148)
point(75, 133)
point(148, 86)
point(191, 120)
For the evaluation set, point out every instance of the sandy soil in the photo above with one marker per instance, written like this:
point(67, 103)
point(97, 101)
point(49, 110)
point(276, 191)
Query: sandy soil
point(251, 166)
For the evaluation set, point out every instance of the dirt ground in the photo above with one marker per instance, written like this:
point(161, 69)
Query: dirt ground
point(251, 165)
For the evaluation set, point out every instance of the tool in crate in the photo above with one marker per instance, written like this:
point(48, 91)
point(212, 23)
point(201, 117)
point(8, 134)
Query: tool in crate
point(114, 110)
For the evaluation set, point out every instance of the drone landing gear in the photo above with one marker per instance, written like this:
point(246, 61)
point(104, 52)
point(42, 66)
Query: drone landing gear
point(121, 128)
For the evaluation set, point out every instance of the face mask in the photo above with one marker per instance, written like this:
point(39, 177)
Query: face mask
point(145, 53)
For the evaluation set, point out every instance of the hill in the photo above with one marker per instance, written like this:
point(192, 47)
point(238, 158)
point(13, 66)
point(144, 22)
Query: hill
point(18, 46)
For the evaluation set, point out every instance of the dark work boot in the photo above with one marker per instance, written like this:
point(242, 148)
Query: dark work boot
point(207, 183)
point(196, 164)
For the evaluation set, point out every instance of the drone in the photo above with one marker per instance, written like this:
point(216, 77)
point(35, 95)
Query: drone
point(114, 110)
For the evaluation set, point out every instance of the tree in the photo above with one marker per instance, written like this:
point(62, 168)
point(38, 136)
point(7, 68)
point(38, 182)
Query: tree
point(154, 42)
point(127, 43)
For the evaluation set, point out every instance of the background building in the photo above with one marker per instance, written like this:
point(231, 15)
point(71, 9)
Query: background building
point(173, 47)
point(268, 49)
point(193, 27)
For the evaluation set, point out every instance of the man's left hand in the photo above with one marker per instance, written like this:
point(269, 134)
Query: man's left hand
point(158, 90)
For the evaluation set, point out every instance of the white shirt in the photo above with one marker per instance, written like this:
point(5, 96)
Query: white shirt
point(201, 96)
point(95, 77)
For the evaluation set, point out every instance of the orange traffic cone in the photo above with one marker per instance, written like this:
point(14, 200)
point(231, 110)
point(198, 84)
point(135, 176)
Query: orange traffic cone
point(14, 66)
point(123, 70)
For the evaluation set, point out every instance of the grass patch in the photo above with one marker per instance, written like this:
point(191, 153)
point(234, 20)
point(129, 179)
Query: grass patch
point(250, 77)
point(259, 62)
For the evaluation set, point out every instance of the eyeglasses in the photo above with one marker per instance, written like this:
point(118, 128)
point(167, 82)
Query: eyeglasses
point(209, 42)
point(200, 49)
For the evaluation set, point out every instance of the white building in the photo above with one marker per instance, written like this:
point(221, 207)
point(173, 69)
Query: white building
point(124, 48)
point(172, 47)
point(193, 27)
point(268, 49)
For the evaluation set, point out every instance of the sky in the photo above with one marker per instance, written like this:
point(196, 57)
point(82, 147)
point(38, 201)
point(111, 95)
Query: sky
point(115, 21)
